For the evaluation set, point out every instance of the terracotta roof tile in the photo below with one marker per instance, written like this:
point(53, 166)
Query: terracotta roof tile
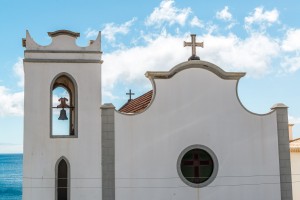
point(295, 145)
point(138, 104)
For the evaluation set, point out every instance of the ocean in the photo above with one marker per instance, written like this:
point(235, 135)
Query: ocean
point(11, 176)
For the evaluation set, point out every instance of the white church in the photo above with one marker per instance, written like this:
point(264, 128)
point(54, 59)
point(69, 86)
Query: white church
point(189, 138)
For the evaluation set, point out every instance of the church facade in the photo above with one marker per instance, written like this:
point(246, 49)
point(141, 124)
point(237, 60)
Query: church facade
point(195, 140)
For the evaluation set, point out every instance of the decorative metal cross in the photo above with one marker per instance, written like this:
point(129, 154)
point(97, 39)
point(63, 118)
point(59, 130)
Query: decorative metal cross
point(193, 44)
point(196, 162)
point(130, 93)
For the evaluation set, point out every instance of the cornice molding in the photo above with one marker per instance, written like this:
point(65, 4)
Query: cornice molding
point(61, 51)
point(64, 32)
point(61, 61)
point(195, 64)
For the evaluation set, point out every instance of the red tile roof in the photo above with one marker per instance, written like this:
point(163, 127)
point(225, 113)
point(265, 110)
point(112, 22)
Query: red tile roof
point(295, 145)
point(138, 104)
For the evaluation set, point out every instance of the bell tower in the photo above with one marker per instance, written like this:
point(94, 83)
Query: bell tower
point(62, 123)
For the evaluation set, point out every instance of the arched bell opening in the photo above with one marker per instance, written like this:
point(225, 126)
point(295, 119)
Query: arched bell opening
point(63, 106)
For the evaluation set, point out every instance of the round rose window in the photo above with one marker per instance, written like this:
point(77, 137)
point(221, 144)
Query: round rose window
point(197, 166)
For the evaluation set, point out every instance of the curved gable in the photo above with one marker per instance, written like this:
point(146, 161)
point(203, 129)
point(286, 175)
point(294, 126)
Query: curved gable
point(195, 64)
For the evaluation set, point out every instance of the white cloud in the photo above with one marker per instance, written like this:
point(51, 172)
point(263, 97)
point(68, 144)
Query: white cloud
point(11, 104)
point(211, 28)
point(197, 22)
point(224, 14)
point(109, 95)
point(55, 100)
point(294, 120)
point(90, 33)
point(11, 148)
point(111, 29)
point(291, 41)
point(19, 71)
point(291, 51)
point(252, 55)
point(261, 18)
point(168, 13)
point(130, 65)
point(291, 64)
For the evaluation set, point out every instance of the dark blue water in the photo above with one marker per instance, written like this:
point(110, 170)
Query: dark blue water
point(11, 176)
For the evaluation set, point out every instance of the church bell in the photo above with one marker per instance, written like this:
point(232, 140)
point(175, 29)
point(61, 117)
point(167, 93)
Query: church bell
point(63, 115)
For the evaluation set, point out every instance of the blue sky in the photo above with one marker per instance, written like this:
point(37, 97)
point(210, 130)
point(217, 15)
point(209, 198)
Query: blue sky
point(261, 38)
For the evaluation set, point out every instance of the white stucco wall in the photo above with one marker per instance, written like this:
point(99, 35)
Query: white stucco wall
point(196, 106)
point(295, 165)
point(42, 152)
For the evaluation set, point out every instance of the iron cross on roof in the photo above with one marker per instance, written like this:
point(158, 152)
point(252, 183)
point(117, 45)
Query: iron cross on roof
point(130, 93)
point(193, 44)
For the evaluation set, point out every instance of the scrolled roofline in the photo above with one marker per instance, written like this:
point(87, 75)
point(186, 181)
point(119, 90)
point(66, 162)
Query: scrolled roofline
point(199, 64)
point(33, 47)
